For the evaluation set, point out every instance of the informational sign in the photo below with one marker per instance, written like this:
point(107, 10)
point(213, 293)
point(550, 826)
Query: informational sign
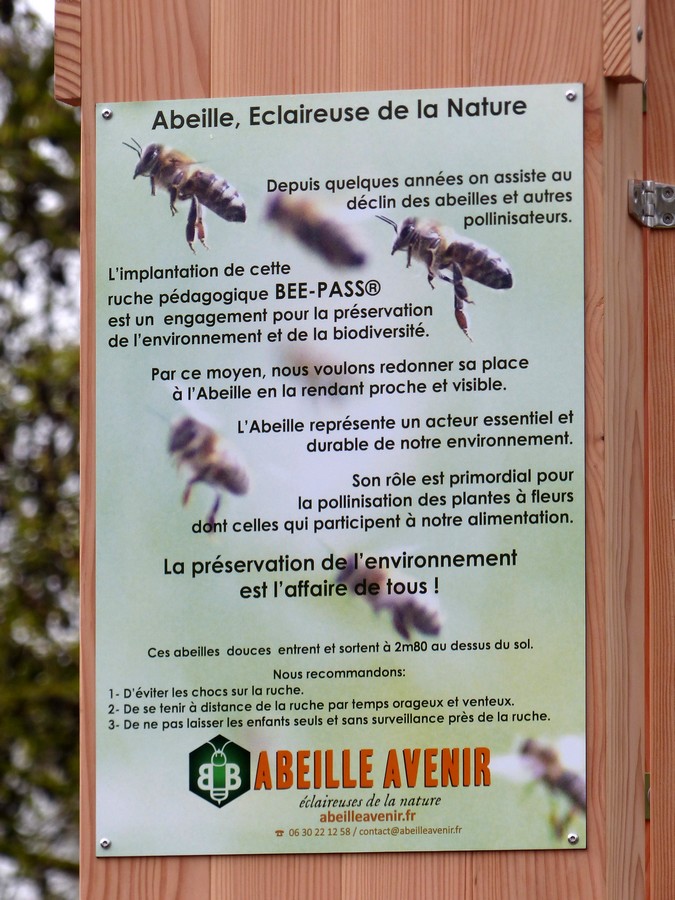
point(340, 473)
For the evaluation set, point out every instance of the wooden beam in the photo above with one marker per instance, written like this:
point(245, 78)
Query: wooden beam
point(624, 43)
point(660, 166)
point(67, 64)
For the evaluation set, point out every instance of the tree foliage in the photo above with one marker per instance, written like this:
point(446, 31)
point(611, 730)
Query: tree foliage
point(39, 230)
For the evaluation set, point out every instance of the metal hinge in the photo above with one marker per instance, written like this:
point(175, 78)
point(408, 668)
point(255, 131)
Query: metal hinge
point(652, 203)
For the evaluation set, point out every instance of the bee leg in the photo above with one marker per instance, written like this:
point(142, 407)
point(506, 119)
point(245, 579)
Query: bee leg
point(463, 322)
point(560, 824)
point(152, 186)
point(557, 825)
point(191, 224)
point(461, 293)
point(201, 228)
point(188, 491)
point(398, 619)
point(214, 510)
point(461, 297)
point(428, 260)
point(173, 194)
point(195, 224)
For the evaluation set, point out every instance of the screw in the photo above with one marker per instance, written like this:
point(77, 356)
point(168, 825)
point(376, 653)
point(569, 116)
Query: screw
point(668, 219)
point(105, 843)
point(571, 95)
point(668, 193)
point(107, 114)
point(640, 33)
point(572, 838)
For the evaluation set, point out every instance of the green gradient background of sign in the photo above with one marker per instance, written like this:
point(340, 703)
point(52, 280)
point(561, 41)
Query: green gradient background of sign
point(144, 804)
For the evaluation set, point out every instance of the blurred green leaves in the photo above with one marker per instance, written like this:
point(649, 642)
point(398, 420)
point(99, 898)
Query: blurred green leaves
point(39, 490)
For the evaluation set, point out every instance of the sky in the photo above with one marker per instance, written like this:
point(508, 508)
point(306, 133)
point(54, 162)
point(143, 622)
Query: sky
point(45, 8)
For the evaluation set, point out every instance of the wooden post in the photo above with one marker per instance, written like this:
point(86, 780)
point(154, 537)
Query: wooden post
point(162, 49)
point(660, 166)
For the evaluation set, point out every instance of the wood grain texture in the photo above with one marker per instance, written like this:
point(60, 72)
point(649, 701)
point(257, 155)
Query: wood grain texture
point(396, 46)
point(67, 63)
point(153, 50)
point(625, 506)
point(199, 48)
point(261, 48)
point(624, 52)
point(661, 399)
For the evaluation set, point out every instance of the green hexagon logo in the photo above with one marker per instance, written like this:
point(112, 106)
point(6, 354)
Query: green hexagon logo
point(220, 771)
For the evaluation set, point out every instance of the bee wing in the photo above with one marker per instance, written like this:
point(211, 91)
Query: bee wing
point(572, 750)
point(523, 767)
point(510, 766)
point(410, 612)
point(238, 479)
point(204, 413)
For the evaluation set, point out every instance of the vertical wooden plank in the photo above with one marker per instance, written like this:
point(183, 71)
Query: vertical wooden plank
point(625, 506)
point(262, 48)
point(316, 877)
point(535, 42)
point(154, 50)
point(67, 48)
point(660, 166)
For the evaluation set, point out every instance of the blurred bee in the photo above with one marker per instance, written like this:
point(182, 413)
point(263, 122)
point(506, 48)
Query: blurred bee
point(324, 374)
point(440, 249)
point(544, 763)
point(408, 610)
point(195, 444)
point(319, 232)
point(176, 173)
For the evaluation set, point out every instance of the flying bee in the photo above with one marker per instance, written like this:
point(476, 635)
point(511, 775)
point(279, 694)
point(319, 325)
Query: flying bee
point(197, 445)
point(176, 173)
point(440, 249)
point(544, 763)
point(321, 233)
point(409, 609)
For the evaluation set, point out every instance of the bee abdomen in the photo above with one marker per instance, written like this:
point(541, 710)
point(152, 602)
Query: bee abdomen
point(235, 478)
point(574, 786)
point(216, 194)
point(335, 245)
point(480, 264)
point(426, 620)
point(410, 613)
